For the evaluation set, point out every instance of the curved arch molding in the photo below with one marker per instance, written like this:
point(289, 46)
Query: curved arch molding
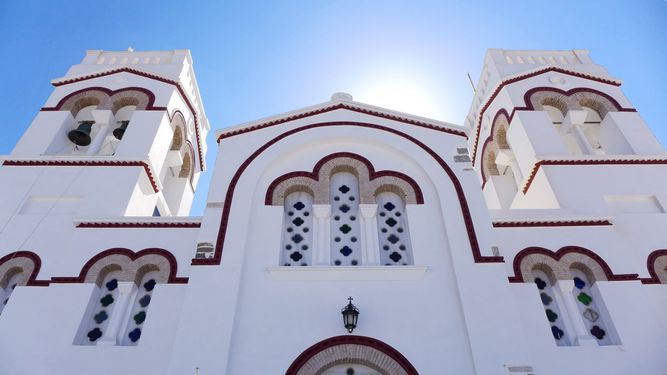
point(229, 196)
point(357, 349)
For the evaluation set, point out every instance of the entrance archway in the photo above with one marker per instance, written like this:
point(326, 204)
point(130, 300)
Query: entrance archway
point(365, 352)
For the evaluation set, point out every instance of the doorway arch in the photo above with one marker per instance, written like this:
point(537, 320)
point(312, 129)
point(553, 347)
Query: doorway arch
point(350, 349)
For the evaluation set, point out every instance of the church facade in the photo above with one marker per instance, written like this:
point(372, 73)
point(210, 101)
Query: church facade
point(526, 241)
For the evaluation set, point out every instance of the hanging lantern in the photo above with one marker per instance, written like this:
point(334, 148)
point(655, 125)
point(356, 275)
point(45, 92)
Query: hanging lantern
point(350, 316)
point(120, 131)
point(81, 135)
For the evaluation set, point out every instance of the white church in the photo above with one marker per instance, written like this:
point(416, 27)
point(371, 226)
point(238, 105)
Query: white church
point(340, 238)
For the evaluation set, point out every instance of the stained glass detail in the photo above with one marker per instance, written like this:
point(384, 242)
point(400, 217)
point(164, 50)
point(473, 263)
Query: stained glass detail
point(389, 206)
point(107, 300)
point(393, 238)
point(344, 208)
point(299, 206)
point(149, 285)
point(298, 221)
point(94, 334)
point(395, 256)
point(598, 332)
point(296, 256)
point(591, 315)
point(100, 317)
point(552, 316)
point(540, 283)
point(145, 300)
point(585, 298)
point(557, 332)
point(134, 335)
point(344, 189)
point(112, 284)
point(391, 222)
point(139, 317)
point(346, 251)
point(297, 238)
point(345, 228)
point(579, 283)
point(546, 300)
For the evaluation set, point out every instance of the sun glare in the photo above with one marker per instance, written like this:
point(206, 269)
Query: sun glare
point(401, 96)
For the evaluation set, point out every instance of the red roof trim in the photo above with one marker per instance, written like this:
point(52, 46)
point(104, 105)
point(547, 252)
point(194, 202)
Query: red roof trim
point(150, 76)
point(333, 108)
point(539, 164)
point(229, 196)
point(314, 175)
point(558, 223)
point(75, 163)
point(650, 265)
point(137, 224)
point(611, 276)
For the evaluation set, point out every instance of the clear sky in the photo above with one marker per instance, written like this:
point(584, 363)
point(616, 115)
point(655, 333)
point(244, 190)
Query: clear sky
point(255, 59)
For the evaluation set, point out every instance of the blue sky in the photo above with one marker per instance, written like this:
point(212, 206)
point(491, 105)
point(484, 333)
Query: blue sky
point(255, 59)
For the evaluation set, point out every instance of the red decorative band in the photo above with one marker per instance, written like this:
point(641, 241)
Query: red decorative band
point(539, 164)
point(341, 106)
point(78, 163)
point(37, 264)
point(137, 225)
point(557, 223)
point(650, 265)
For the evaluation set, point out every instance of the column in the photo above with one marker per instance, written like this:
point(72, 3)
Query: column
point(582, 140)
point(321, 234)
point(582, 336)
point(96, 144)
point(118, 314)
point(370, 250)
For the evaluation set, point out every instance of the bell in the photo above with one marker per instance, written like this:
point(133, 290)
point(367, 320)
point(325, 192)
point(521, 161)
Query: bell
point(120, 131)
point(81, 135)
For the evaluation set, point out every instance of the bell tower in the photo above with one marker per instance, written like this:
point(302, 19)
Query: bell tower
point(547, 129)
point(122, 134)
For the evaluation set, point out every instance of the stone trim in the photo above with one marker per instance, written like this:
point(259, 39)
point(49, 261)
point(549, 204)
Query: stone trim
point(351, 349)
point(528, 106)
point(25, 262)
point(656, 263)
point(317, 182)
point(130, 265)
point(560, 262)
point(104, 98)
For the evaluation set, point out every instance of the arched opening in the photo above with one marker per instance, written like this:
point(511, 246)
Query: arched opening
point(340, 353)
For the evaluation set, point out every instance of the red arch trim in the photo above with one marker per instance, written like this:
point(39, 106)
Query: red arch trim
point(354, 340)
point(109, 92)
point(650, 265)
point(529, 107)
point(173, 264)
point(140, 73)
point(229, 196)
point(611, 276)
point(37, 262)
point(314, 175)
point(523, 77)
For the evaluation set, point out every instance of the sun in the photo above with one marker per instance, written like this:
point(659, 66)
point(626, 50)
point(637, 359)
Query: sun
point(401, 95)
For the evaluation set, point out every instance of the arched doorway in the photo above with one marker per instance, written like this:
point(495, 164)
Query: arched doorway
point(351, 355)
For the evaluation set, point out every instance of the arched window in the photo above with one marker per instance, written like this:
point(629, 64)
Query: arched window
point(550, 302)
point(345, 246)
point(141, 299)
point(297, 240)
point(588, 306)
point(394, 238)
point(357, 212)
point(103, 303)
point(554, 113)
point(13, 279)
